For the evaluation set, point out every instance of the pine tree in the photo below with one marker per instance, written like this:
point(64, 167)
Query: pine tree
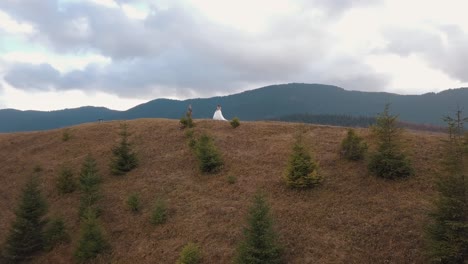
point(124, 159)
point(26, 234)
point(65, 181)
point(302, 171)
point(55, 233)
point(89, 185)
point(353, 147)
point(260, 244)
point(191, 254)
point(209, 158)
point(448, 232)
point(389, 162)
point(159, 213)
point(92, 241)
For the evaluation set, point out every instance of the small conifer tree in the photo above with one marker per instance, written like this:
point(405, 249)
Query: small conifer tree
point(159, 214)
point(389, 162)
point(448, 233)
point(89, 185)
point(191, 254)
point(66, 135)
point(302, 170)
point(260, 243)
point(27, 232)
point(124, 159)
point(235, 122)
point(92, 241)
point(65, 181)
point(55, 233)
point(353, 147)
point(133, 202)
point(209, 158)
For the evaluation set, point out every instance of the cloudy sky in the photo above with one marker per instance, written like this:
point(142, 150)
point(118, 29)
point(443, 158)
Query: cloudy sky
point(57, 54)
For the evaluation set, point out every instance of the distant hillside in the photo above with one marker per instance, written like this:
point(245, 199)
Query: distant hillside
point(260, 104)
point(353, 217)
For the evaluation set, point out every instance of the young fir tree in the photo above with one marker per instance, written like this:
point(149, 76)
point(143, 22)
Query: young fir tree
point(55, 233)
point(124, 159)
point(353, 146)
point(389, 161)
point(27, 232)
point(209, 158)
point(302, 170)
point(92, 241)
point(260, 244)
point(191, 254)
point(89, 185)
point(65, 181)
point(448, 232)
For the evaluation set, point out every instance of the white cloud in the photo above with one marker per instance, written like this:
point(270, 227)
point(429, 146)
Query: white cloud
point(244, 15)
point(9, 25)
point(135, 12)
point(412, 75)
point(191, 48)
point(22, 100)
point(63, 63)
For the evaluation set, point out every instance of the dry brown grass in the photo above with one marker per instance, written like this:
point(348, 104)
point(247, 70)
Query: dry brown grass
point(352, 218)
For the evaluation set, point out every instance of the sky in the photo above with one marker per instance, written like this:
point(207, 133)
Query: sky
point(57, 54)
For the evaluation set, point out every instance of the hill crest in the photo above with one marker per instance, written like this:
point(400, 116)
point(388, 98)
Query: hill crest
point(352, 218)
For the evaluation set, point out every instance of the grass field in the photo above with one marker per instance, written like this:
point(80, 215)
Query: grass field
point(353, 217)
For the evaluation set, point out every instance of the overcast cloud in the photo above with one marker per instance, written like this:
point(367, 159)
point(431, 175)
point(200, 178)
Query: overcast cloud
point(199, 48)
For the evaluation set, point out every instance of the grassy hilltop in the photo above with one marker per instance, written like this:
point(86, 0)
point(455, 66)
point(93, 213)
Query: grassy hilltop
point(353, 217)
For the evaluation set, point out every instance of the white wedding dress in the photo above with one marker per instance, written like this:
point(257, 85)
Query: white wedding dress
point(218, 115)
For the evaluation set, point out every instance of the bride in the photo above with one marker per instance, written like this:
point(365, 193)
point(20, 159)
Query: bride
point(218, 115)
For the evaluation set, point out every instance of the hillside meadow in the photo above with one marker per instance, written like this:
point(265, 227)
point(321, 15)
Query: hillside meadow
point(353, 217)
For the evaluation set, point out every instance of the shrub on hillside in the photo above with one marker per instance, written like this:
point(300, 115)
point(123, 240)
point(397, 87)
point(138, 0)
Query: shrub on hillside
point(26, 236)
point(448, 232)
point(260, 243)
point(353, 146)
point(124, 159)
point(92, 241)
point(159, 214)
point(186, 121)
point(89, 185)
point(302, 170)
point(191, 254)
point(231, 179)
point(389, 162)
point(66, 135)
point(209, 158)
point(133, 202)
point(191, 141)
point(235, 122)
point(55, 233)
point(65, 181)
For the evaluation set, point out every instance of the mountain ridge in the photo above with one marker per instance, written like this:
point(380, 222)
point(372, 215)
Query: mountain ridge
point(269, 102)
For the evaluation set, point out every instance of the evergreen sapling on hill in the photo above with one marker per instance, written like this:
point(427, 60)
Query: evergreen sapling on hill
point(55, 233)
point(389, 161)
point(89, 185)
point(235, 122)
point(302, 170)
point(209, 158)
point(448, 233)
point(353, 147)
point(92, 241)
point(26, 235)
point(191, 254)
point(65, 181)
point(124, 159)
point(260, 244)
